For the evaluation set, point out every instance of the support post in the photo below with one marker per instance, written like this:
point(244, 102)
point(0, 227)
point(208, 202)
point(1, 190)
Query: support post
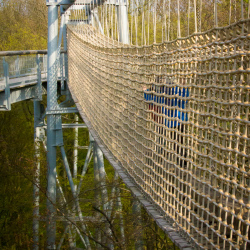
point(122, 18)
point(65, 48)
point(75, 150)
point(98, 235)
point(7, 87)
point(74, 193)
point(36, 198)
point(136, 208)
point(17, 68)
point(119, 208)
point(75, 155)
point(51, 123)
point(39, 78)
point(100, 177)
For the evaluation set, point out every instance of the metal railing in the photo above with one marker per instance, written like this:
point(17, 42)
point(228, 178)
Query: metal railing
point(23, 63)
point(26, 63)
point(22, 68)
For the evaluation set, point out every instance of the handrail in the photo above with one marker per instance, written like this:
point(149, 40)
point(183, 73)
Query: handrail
point(26, 52)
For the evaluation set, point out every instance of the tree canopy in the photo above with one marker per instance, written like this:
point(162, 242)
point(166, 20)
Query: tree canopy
point(23, 25)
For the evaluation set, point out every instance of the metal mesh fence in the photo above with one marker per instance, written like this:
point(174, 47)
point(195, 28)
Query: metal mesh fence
point(24, 65)
point(176, 117)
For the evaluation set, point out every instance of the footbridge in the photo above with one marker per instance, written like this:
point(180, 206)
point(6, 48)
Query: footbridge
point(170, 112)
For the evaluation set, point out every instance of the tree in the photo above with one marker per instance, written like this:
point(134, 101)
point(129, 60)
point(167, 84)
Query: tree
point(23, 25)
point(16, 159)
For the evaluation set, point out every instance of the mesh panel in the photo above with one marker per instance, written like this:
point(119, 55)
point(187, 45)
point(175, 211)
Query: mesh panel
point(176, 116)
point(25, 65)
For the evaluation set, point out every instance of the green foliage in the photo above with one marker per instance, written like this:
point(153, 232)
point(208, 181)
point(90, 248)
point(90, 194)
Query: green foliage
point(23, 25)
point(16, 164)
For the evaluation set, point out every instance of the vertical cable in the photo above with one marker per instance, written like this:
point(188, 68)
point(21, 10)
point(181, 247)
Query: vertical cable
point(162, 23)
point(230, 12)
point(103, 19)
point(97, 13)
point(179, 21)
point(215, 14)
point(165, 20)
point(169, 3)
point(200, 15)
point(148, 21)
point(127, 4)
point(188, 15)
point(242, 10)
point(136, 23)
point(142, 23)
point(106, 19)
point(248, 14)
point(235, 11)
point(109, 21)
point(131, 26)
point(116, 23)
point(112, 19)
point(195, 17)
point(154, 21)
point(144, 27)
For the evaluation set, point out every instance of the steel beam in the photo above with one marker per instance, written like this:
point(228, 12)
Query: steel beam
point(85, 167)
point(25, 52)
point(74, 193)
point(19, 94)
point(73, 125)
point(58, 111)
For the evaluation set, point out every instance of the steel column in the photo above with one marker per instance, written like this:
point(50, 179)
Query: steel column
point(51, 124)
point(36, 185)
point(122, 18)
point(75, 150)
point(75, 168)
point(65, 48)
point(7, 87)
point(100, 177)
point(136, 208)
point(74, 193)
point(119, 208)
point(98, 235)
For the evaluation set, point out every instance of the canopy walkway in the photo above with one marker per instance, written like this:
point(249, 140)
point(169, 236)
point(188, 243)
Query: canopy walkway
point(171, 116)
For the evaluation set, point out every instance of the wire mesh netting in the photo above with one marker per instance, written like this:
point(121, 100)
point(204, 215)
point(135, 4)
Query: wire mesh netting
point(25, 65)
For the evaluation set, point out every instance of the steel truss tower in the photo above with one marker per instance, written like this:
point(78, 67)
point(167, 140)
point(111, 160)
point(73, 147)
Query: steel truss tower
point(52, 140)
